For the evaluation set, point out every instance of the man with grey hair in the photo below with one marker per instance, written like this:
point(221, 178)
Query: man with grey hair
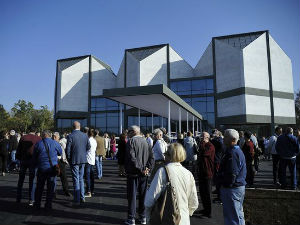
point(45, 158)
point(232, 179)
point(77, 146)
point(138, 163)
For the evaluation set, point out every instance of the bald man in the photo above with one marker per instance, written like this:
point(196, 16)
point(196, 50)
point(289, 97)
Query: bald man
point(77, 146)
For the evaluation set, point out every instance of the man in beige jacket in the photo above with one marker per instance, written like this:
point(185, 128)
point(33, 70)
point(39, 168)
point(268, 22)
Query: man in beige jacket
point(100, 153)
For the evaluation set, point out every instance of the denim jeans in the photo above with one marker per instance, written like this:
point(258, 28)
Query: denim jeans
point(89, 176)
point(13, 160)
point(134, 185)
point(232, 199)
point(42, 177)
point(291, 164)
point(78, 183)
point(98, 164)
point(32, 184)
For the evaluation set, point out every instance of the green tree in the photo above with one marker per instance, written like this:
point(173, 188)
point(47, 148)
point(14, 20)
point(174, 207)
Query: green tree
point(42, 119)
point(4, 118)
point(297, 108)
point(22, 115)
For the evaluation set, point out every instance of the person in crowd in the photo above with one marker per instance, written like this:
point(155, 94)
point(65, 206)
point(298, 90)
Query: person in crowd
point(261, 146)
point(138, 163)
point(86, 130)
point(4, 144)
point(267, 150)
point(217, 141)
point(258, 152)
point(180, 139)
point(205, 163)
point(89, 168)
point(62, 162)
point(241, 141)
point(149, 140)
point(297, 135)
point(159, 148)
point(100, 153)
point(113, 147)
point(12, 149)
point(121, 154)
point(190, 146)
point(107, 145)
point(45, 157)
point(287, 146)
point(38, 133)
point(77, 146)
point(24, 155)
point(248, 150)
point(181, 180)
point(275, 156)
point(165, 136)
point(231, 177)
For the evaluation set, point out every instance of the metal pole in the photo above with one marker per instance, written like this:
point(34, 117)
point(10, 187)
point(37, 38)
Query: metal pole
point(179, 109)
point(169, 118)
point(152, 122)
point(193, 127)
point(200, 125)
point(139, 117)
point(187, 121)
point(121, 121)
point(197, 127)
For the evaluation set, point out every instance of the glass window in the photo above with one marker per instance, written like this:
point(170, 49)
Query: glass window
point(187, 100)
point(112, 120)
point(198, 87)
point(199, 104)
point(101, 120)
point(103, 104)
point(111, 105)
point(210, 104)
point(184, 87)
point(209, 86)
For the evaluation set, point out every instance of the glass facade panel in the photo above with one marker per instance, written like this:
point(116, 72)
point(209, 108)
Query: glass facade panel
point(103, 104)
point(112, 119)
point(63, 124)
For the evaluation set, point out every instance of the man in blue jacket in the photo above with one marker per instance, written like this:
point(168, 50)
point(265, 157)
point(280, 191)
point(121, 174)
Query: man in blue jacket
point(45, 170)
point(77, 146)
point(287, 146)
point(232, 179)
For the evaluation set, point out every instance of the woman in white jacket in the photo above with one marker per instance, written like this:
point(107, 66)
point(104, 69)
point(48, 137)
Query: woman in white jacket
point(181, 179)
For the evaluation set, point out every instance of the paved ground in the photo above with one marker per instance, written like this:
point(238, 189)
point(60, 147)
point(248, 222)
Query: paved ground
point(108, 206)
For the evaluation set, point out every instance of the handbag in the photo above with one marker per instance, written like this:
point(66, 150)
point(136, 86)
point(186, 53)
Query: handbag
point(55, 169)
point(165, 210)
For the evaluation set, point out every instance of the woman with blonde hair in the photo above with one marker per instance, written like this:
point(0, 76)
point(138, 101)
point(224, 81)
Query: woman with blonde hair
point(181, 180)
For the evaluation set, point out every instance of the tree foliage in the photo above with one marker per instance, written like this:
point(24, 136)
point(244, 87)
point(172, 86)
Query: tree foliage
point(23, 116)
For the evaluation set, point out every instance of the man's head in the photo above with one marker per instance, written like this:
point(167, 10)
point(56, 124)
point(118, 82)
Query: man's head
point(189, 134)
point(231, 137)
point(205, 137)
point(46, 134)
point(163, 130)
point(38, 133)
point(158, 133)
point(96, 132)
point(289, 130)
point(248, 135)
point(12, 133)
point(86, 130)
point(278, 130)
point(133, 131)
point(241, 133)
point(76, 125)
point(56, 136)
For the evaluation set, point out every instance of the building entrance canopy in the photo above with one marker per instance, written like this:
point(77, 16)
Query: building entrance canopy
point(156, 99)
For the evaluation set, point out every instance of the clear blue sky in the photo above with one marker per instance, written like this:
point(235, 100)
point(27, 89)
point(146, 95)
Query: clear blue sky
point(34, 34)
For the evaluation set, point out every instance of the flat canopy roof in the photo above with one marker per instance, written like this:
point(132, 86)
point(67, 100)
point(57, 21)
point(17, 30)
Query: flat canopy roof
point(153, 99)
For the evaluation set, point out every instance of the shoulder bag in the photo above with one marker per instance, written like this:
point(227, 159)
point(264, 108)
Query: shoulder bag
point(55, 169)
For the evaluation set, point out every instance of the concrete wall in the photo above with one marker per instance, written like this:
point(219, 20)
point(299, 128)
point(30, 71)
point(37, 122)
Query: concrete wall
point(231, 106)
point(284, 107)
point(255, 62)
point(72, 88)
point(258, 105)
point(271, 206)
point(153, 69)
point(120, 75)
point(204, 66)
point(102, 78)
point(229, 67)
point(179, 68)
point(133, 71)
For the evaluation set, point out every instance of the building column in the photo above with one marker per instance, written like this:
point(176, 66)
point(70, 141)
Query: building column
point(200, 125)
point(179, 119)
point(121, 121)
point(169, 118)
point(193, 126)
point(197, 127)
point(152, 122)
point(187, 121)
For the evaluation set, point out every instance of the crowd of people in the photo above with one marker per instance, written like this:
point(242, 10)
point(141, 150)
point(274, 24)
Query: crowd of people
point(150, 163)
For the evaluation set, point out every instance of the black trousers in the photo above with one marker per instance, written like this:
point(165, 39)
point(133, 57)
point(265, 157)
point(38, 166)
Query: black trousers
point(3, 157)
point(250, 173)
point(205, 194)
point(275, 159)
point(134, 185)
point(63, 176)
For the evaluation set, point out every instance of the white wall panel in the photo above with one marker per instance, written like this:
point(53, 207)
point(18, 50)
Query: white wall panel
point(102, 78)
point(229, 67)
point(133, 71)
point(74, 87)
point(231, 106)
point(284, 107)
point(255, 58)
point(205, 65)
point(282, 77)
point(258, 105)
point(153, 69)
point(179, 68)
point(120, 76)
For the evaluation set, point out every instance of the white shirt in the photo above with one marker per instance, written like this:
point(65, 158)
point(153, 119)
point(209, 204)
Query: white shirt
point(272, 144)
point(159, 149)
point(149, 141)
point(90, 154)
point(183, 183)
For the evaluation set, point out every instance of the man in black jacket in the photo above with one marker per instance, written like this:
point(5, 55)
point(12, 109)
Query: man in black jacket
point(138, 163)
